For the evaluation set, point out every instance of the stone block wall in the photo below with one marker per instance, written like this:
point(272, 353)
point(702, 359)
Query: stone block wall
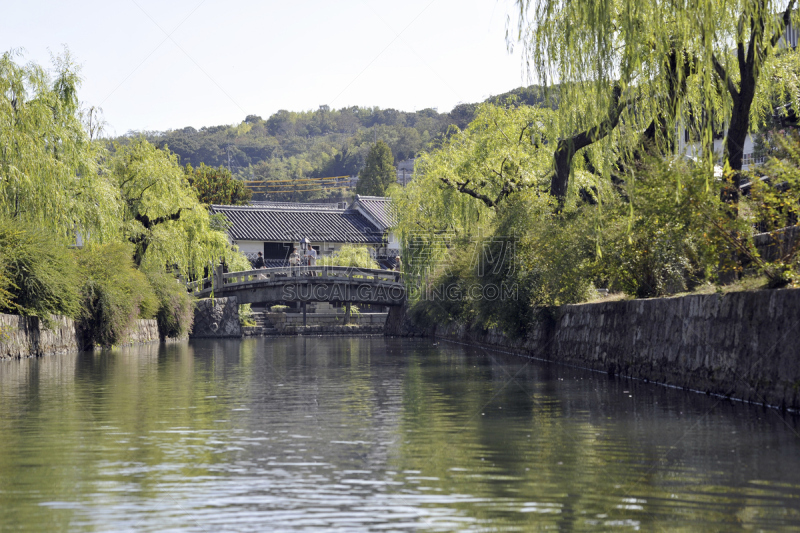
point(329, 329)
point(144, 331)
point(216, 317)
point(26, 336)
point(742, 345)
point(282, 320)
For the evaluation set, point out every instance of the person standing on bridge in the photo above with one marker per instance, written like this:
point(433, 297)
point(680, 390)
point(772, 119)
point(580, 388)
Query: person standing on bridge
point(398, 267)
point(311, 257)
point(259, 261)
point(294, 261)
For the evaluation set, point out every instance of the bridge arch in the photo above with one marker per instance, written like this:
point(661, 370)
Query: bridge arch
point(306, 284)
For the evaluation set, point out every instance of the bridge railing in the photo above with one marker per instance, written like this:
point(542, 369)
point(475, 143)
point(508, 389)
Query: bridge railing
point(284, 274)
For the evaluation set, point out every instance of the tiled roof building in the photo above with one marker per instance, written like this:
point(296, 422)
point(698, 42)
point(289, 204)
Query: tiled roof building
point(274, 228)
point(283, 224)
point(378, 209)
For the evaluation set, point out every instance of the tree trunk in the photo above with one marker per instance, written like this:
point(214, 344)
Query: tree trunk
point(563, 164)
point(737, 131)
point(567, 148)
point(140, 248)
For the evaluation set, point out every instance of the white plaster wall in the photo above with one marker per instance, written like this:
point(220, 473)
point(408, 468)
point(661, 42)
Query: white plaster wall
point(325, 248)
point(394, 242)
point(692, 150)
point(250, 246)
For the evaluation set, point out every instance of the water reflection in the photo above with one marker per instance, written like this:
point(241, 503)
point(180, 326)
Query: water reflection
point(369, 433)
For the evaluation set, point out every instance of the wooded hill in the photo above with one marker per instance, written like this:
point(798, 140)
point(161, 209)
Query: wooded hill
point(290, 146)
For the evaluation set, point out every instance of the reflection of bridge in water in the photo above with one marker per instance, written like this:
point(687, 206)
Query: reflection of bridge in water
point(305, 284)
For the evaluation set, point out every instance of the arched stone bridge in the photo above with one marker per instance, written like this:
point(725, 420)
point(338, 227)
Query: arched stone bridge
point(306, 284)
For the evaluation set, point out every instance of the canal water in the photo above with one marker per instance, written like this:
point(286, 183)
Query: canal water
point(374, 434)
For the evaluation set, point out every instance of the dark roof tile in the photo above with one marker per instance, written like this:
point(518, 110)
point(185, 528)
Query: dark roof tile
point(267, 223)
point(379, 208)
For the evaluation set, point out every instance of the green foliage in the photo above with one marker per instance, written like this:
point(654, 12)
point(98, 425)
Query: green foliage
point(279, 308)
point(163, 218)
point(665, 237)
point(284, 151)
point(774, 207)
point(444, 295)
point(175, 312)
point(246, 316)
point(54, 179)
point(349, 255)
point(528, 258)
point(48, 169)
point(711, 66)
point(37, 271)
point(378, 172)
point(115, 294)
point(6, 298)
point(216, 186)
point(502, 151)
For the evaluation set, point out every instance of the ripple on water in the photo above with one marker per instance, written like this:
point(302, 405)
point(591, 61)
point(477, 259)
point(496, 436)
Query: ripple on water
point(376, 434)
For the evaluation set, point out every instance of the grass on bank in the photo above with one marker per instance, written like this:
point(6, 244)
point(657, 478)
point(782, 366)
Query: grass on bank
point(748, 283)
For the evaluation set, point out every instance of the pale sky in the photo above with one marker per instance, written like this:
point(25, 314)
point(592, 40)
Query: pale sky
point(154, 65)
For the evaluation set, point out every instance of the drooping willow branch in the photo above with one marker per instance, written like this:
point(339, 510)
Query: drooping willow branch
point(510, 185)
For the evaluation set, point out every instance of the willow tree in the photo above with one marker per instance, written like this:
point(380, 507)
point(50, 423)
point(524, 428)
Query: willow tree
point(742, 41)
point(644, 67)
point(48, 170)
point(613, 85)
point(459, 186)
point(164, 219)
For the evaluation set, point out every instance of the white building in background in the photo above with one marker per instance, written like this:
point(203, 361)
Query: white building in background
point(692, 149)
point(379, 211)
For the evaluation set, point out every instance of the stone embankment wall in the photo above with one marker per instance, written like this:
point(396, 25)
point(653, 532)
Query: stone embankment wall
point(742, 345)
point(318, 324)
point(26, 336)
point(318, 329)
point(144, 331)
point(216, 317)
point(284, 320)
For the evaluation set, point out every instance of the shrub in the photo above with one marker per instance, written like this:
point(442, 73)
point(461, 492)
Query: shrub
point(6, 298)
point(279, 308)
point(445, 296)
point(546, 257)
point(38, 275)
point(175, 309)
point(775, 205)
point(532, 259)
point(662, 239)
point(246, 316)
point(114, 293)
point(349, 255)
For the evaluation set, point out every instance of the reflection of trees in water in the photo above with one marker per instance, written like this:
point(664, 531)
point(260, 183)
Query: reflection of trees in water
point(570, 448)
point(489, 435)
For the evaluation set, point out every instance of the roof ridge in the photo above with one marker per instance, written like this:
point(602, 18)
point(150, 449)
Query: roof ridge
point(281, 208)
